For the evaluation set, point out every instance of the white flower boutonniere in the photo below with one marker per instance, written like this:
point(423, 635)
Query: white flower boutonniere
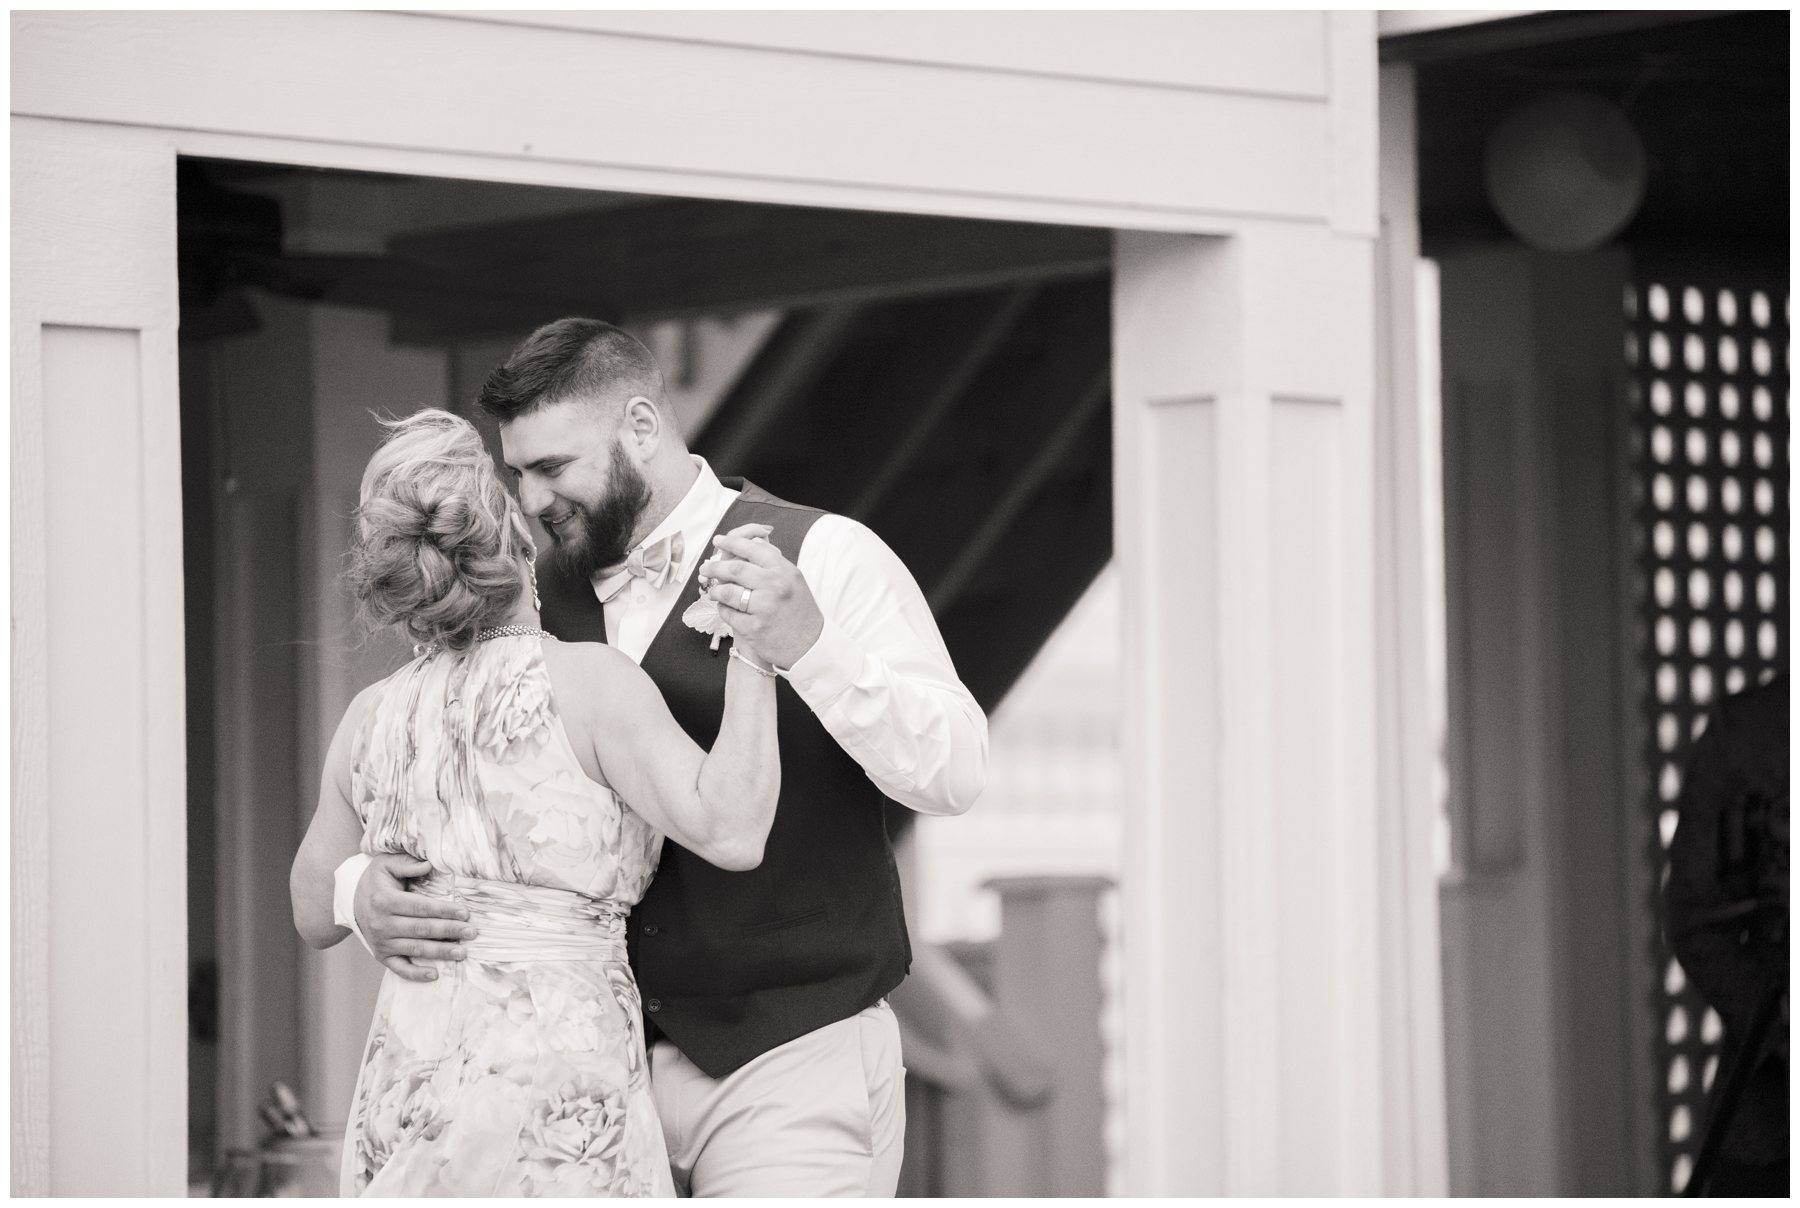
point(703, 615)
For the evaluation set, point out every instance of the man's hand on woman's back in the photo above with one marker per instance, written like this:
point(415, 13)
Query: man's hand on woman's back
point(404, 928)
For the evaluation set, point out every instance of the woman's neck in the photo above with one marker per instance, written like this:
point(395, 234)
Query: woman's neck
point(524, 614)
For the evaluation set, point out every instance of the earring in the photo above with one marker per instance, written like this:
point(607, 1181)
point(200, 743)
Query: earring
point(518, 523)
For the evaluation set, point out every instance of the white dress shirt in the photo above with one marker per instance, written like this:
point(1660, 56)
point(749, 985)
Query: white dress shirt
point(878, 678)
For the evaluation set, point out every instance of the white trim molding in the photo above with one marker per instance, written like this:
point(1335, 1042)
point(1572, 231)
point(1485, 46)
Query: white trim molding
point(99, 744)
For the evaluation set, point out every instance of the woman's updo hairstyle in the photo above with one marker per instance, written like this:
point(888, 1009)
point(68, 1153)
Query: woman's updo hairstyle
point(438, 538)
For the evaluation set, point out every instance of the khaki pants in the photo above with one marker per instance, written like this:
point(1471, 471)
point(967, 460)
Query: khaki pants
point(822, 1115)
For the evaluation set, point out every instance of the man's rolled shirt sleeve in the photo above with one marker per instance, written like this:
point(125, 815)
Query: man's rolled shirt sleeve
point(343, 895)
point(879, 677)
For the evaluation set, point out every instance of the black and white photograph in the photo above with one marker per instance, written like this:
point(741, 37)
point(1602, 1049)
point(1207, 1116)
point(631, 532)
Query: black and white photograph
point(928, 603)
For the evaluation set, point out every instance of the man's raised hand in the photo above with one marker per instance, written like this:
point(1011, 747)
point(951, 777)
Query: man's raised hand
point(403, 928)
point(782, 620)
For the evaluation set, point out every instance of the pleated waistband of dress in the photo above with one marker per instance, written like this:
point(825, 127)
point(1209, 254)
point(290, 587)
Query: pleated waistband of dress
point(515, 922)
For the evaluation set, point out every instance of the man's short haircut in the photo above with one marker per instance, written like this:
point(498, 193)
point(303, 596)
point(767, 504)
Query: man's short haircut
point(568, 359)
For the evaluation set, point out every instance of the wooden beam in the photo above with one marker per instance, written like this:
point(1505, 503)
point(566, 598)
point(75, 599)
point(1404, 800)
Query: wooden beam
point(995, 430)
point(868, 402)
point(1023, 486)
point(659, 259)
point(680, 258)
point(941, 401)
point(776, 381)
point(418, 291)
point(1044, 565)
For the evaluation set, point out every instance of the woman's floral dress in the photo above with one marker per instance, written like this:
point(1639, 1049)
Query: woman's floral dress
point(520, 1070)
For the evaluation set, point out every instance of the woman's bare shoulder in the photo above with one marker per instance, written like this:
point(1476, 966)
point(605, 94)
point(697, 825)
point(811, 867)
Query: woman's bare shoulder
point(338, 755)
point(593, 672)
point(363, 701)
point(587, 658)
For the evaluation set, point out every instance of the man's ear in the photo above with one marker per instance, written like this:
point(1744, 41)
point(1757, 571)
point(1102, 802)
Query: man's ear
point(642, 424)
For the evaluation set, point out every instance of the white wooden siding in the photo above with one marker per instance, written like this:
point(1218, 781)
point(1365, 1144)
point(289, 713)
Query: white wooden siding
point(1263, 53)
point(690, 117)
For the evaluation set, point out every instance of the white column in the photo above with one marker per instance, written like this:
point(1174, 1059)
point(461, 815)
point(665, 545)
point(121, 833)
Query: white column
point(1408, 518)
point(99, 809)
point(1243, 395)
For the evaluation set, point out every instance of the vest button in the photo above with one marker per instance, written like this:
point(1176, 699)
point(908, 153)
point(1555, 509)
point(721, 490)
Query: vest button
point(651, 929)
point(653, 1005)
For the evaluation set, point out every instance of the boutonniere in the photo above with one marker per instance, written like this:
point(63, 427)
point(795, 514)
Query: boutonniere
point(703, 615)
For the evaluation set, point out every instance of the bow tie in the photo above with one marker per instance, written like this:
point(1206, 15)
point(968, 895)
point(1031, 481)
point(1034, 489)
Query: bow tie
point(655, 563)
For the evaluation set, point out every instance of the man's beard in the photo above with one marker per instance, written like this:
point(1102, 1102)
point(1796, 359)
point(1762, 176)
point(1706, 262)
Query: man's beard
point(606, 528)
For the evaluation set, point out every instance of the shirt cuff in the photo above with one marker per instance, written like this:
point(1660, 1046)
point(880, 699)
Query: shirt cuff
point(822, 674)
point(343, 895)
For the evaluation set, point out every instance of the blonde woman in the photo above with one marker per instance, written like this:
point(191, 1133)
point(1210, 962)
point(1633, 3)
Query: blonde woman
point(532, 781)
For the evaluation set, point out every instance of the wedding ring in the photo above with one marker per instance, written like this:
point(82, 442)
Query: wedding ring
point(745, 606)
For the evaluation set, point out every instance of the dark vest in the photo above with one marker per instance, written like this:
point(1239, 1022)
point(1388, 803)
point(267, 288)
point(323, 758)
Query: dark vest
point(732, 964)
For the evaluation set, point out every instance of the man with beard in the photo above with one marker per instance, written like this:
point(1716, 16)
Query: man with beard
point(775, 1060)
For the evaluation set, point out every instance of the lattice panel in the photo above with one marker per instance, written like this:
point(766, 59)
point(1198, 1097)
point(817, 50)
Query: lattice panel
point(1709, 394)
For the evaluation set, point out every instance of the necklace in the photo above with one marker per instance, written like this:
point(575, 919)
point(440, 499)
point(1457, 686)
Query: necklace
point(510, 631)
